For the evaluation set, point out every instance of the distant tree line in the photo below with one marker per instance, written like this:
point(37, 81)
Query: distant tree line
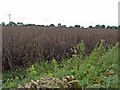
point(106, 27)
point(59, 25)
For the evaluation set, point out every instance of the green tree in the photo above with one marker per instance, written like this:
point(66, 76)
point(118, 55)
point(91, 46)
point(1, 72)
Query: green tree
point(52, 25)
point(119, 27)
point(59, 24)
point(20, 24)
point(102, 26)
point(12, 24)
point(97, 26)
point(82, 27)
point(3, 23)
point(90, 26)
point(114, 27)
point(108, 27)
point(31, 25)
point(78, 26)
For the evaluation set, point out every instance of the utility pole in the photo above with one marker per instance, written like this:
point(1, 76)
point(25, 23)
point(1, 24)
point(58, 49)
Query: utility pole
point(9, 17)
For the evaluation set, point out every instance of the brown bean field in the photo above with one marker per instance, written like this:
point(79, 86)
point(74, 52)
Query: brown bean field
point(24, 45)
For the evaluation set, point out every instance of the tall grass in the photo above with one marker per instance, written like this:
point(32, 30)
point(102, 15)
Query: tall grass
point(25, 45)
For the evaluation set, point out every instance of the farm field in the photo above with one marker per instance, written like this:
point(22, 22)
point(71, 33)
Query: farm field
point(89, 56)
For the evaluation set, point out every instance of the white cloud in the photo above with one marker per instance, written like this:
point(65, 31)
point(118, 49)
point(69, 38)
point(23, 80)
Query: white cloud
point(69, 12)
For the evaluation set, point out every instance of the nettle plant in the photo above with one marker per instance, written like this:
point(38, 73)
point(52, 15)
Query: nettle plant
point(79, 52)
point(98, 51)
point(32, 70)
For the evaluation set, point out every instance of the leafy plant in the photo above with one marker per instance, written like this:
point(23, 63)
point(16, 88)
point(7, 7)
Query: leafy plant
point(99, 70)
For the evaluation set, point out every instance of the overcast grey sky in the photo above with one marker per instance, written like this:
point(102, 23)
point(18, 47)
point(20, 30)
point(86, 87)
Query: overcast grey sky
point(68, 12)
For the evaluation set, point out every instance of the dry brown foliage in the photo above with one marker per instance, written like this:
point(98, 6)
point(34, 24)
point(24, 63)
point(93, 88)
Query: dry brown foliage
point(23, 45)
